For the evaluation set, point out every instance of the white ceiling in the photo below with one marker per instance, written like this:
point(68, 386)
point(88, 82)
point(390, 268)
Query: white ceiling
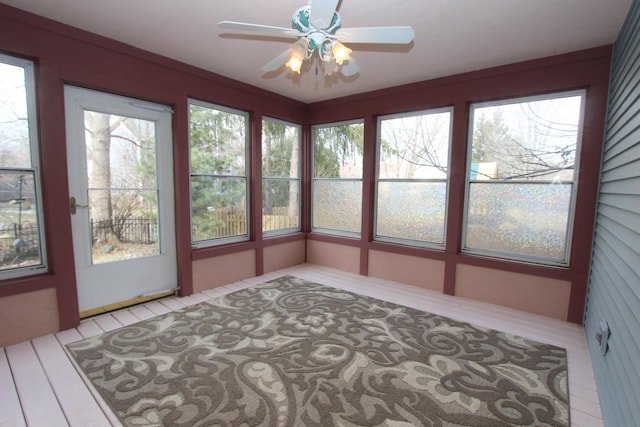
point(451, 36)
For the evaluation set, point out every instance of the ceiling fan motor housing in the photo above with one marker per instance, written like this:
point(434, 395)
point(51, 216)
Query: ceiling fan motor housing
point(320, 39)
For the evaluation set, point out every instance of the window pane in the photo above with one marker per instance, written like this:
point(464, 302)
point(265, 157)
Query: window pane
point(524, 219)
point(337, 205)
point(534, 140)
point(218, 142)
point(337, 151)
point(412, 210)
point(337, 154)
point(414, 147)
point(521, 178)
point(280, 150)
point(280, 161)
point(22, 245)
point(122, 188)
point(411, 189)
point(219, 177)
point(19, 231)
point(280, 204)
point(129, 229)
point(218, 207)
point(15, 150)
point(121, 151)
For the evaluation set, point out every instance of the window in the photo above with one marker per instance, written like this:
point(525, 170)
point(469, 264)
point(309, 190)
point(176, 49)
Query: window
point(22, 246)
point(411, 185)
point(219, 176)
point(337, 178)
point(521, 178)
point(280, 177)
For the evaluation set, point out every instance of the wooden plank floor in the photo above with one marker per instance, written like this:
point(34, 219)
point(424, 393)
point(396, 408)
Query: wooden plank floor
point(39, 385)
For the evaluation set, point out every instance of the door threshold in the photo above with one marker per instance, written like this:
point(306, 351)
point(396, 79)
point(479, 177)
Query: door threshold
point(124, 304)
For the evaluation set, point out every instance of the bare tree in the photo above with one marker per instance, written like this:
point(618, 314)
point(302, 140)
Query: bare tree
point(99, 167)
point(415, 142)
point(532, 144)
point(115, 189)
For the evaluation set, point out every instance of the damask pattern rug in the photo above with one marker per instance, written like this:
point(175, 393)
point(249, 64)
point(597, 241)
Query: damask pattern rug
point(295, 353)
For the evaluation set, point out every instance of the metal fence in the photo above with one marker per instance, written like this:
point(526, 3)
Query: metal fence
point(145, 230)
point(127, 230)
point(15, 238)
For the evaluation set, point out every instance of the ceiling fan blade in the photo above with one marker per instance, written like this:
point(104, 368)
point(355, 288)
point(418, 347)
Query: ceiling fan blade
point(349, 68)
point(277, 62)
point(266, 30)
point(384, 35)
point(321, 12)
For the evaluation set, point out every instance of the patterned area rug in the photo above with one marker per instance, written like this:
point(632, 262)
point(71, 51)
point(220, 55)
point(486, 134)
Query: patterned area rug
point(295, 353)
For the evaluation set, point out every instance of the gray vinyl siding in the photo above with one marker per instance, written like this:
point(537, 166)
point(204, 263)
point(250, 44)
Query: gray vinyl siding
point(614, 286)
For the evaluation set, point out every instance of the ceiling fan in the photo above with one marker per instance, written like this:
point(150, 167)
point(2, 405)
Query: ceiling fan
point(317, 28)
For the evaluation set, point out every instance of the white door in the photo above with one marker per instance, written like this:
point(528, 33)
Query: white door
point(119, 154)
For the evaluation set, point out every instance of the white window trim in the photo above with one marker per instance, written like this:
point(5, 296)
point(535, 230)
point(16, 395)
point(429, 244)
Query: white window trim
point(512, 256)
point(218, 241)
point(397, 240)
point(290, 230)
point(323, 230)
point(32, 120)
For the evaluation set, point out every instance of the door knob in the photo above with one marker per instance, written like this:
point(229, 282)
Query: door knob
point(74, 206)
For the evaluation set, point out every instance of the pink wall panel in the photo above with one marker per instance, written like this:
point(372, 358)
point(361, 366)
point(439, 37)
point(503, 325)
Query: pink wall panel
point(333, 255)
point(284, 255)
point(213, 272)
point(420, 272)
point(28, 315)
point(533, 294)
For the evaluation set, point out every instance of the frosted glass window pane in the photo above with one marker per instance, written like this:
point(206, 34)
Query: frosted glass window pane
point(280, 204)
point(337, 205)
point(412, 210)
point(523, 219)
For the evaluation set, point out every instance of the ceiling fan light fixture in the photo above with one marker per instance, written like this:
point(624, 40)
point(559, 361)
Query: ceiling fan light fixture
point(298, 55)
point(295, 64)
point(340, 52)
point(330, 67)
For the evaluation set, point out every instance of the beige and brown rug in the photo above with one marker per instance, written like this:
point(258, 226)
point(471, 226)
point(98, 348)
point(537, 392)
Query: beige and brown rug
point(294, 353)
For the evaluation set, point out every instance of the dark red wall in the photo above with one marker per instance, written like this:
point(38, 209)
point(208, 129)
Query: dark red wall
point(64, 55)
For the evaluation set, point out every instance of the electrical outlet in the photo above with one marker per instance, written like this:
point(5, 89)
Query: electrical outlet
point(602, 336)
